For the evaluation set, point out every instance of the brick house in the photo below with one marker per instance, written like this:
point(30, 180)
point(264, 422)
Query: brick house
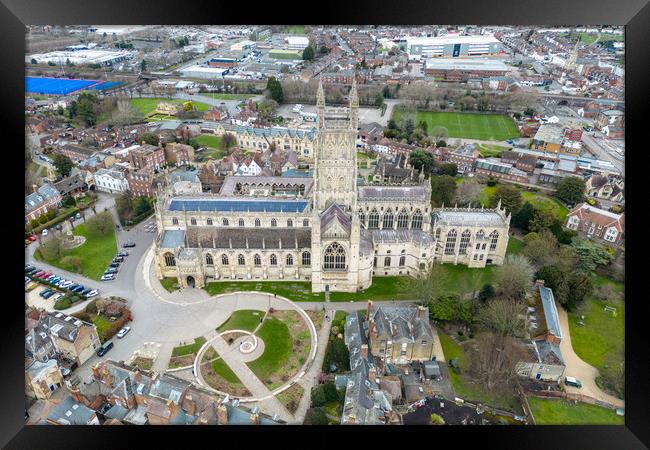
point(73, 338)
point(464, 157)
point(147, 155)
point(73, 186)
point(42, 378)
point(519, 160)
point(142, 182)
point(76, 153)
point(497, 169)
point(596, 223)
point(179, 154)
point(216, 114)
point(42, 200)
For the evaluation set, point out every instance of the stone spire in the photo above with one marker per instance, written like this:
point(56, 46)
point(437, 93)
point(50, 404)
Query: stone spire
point(354, 105)
point(320, 105)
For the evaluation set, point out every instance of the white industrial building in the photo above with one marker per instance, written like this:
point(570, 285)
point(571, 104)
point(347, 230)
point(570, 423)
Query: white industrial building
point(104, 57)
point(297, 42)
point(452, 46)
point(203, 72)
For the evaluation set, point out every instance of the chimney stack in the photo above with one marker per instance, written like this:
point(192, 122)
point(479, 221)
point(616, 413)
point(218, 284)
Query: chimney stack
point(539, 282)
point(222, 414)
point(421, 312)
point(372, 374)
point(369, 309)
point(35, 188)
point(138, 375)
point(364, 351)
point(255, 419)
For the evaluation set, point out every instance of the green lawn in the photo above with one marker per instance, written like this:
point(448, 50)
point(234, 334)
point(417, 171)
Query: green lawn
point(221, 368)
point(295, 29)
point(95, 254)
point(209, 140)
point(244, 319)
point(189, 349)
point(514, 246)
point(382, 288)
point(488, 150)
point(560, 412)
point(458, 279)
point(170, 284)
point(493, 127)
point(277, 348)
point(103, 324)
point(546, 203)
point(293, 290)
point(148, 105)
point(463, 387)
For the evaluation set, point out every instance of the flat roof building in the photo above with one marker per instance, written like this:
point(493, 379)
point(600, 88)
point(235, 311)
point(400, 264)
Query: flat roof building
point(452, 69)
point(452, 46)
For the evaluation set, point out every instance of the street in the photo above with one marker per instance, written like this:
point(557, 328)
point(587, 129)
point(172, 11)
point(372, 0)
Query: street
point(604, 149)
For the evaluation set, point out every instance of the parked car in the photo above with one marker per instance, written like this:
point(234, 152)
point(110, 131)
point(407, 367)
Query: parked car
point(118, 259)
point(27, 280)
point(49, 294)
point(44, 292)
point(111, 270)
point(104, 348)
point(45, 276)
point(58, 296)
point(123, 332)
point(65, 372)
point(78, 289)
point(38, 274)
point(114, 265)
point(108, 277)
point(77, 216)
point(123, 253)
point(66, 284)
point(45, 232)
point(29, 268)
point(54, 280)
point(85, 291)
point(570, 381)
point(92, 293)
point(128, 244)
point(32, 237)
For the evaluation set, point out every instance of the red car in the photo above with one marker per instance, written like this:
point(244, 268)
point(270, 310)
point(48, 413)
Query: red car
point(31, 237)
point(45, 275)
point(38, 275)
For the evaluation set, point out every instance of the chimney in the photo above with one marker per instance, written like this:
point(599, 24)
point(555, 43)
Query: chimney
point(255, 419)
point(421, 312)
point(77, 395)
point(539, 283)
point(222, 414)
point(393, 329)
point(372, 374)
point(364, 351)
point(369, 309)
point(203, 421)
point(34, 187)
point(137, 375)
point(191, 405)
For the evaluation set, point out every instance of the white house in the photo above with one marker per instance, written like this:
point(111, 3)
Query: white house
point(112, 181)
point(249, 168)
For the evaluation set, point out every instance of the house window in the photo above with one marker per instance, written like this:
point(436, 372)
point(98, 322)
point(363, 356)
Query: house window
point(494, 236)
point(306, 259)
point(402, 219)
point(241, 222)
point(224, 260)
point(257, 260)
point(373, 220)
point(305, 222)
point(483, 246)
point(402, 261)
point(274, 260)
point(450, 245)
point(464, 242)
point(334, 257)
point(425, 343)
point(289, 223)
point(209, 221)
point(480, 258)
point(362, 217)
point(174, 221)
point(170, 261)
point(438, 234)
point(208, 259)
point(289, 260)
point(192, 221)
point(388, 219)
point(240, 260)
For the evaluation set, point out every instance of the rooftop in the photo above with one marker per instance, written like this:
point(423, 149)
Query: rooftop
point(239, 205)
point(469, 217)
point(466, 64)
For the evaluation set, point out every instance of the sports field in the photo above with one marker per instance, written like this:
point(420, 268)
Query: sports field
point(488, 127)
point(64, 86)
point(147, 105)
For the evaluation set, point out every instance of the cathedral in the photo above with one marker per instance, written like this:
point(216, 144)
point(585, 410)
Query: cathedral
point(333, 229)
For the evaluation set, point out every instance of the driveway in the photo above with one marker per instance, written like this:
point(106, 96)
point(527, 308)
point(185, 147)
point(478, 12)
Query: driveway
point(577, 368)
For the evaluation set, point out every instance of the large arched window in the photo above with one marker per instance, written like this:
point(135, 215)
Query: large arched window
point(494, 236)
point(241, 222)
point(388, 219)
point(289, 260)
point(257, 260)
point(403, 219)
point(170, 261)
point(450, 246)
point(174, 221)
point(258, 223)
point(192, 221)
point(224, 259)
point(240, 260)
point(305, 222)
point(334, 257)
point(464, 242)
point(402, 261)
point(306, 259)
point(274, 223)
point(416, 222)
point(362, 217)
point(208, 259)
point(373, 220)
point(274, 260)
point(209, 221)
point(480, 235)
point(438, 234)
point(225, 222)
point(289, 223)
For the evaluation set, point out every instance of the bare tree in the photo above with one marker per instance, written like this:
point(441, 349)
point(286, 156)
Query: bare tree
point(515, 277)
point(52, 248)
point(126, 113)
point(469, 191)
point(503, 316)
point(428, 285)
point(494, 362)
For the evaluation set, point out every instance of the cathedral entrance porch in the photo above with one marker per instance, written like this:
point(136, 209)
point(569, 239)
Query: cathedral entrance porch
point(190, 281)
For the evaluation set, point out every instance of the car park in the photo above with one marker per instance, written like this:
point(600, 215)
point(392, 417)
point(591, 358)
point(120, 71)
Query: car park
point(108, 277)
point(123, 332)
point(92, 293)
point(104, 348)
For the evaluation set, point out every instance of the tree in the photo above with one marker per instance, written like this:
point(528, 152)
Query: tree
point(422, 125)
point(266, 110)
point(486, 293)
point(52, 248)
point(503, 316)
point(441, 143)
point(86, 104)
point(228, 140)
point(101, 223)
point(337, 353)
point(124, 207)
point(443, 190)
point(494, 362)
point(141, 206)
point(324, 49)
point(316, 416)
point(542, 220)
point(590, 255)
point(439, 133)
point(63, 164)
point(424, 287)
point(274, 88)
point(318, 397)
point(444, 308)
point(571, 190)
point(510, 197)
point(421, 160)
point(68, 201)
point(126, 113)
point(143, 66)
point(436, 419)
point(308, 53)
point(523, 217)
point(515, 277)
point(72, 261)
point(450, 169)
point(469, 191)
point(530, 112)
point(149, 138)
point(541, 248)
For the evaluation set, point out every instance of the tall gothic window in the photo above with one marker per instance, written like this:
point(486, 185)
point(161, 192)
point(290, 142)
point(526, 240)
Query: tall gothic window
point(373, 220)
point(241, 222)
point(174, 221)
point(480, 235)
point(274, 260)
point(257, 260)
point(224, 259)
point(495, 238)
point(334, 257)
point(362, 217)
point(438, 234)
point(464, 241)
point(289, 223)
point(258, 223)
point(387, 261)
point(305, 222)
point(208, 259)
point(240, 260)
point(225, 222)
point(209, 221)
point(170, 261)
point(274, 223)
point(289, 260)
point(306, 259)
point(403, 219)
point(416, 222)
point(451, 242)
point(192, 221)
point(388, 219)
point(402, 261)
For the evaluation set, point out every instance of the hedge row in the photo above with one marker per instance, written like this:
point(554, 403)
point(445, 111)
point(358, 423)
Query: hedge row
point(56, 220)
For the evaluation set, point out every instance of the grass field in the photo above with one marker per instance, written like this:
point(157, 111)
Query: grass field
point(95, 254)
point(209, 140)
point(221, 368)
point(243, 319)
point(492, 127)
point(170, 284)
point(224, 96)
point(148, 105)
point(295, 29)
point(489, 150)
point(293, 290)
point(543, 202)
point(514, 246)
point(560, 412)
point(277, 348)
point(189, 348)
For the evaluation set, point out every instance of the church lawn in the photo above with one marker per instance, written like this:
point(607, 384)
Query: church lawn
point(546, 203)
point(290, 398)
point(170, 284)
point(561, 412)
point(277, 349)
point(295, 29)
point(514, 246)
point(492, 127)
point(489, 150)
point(209, 140)
point(148, 105)
point(382, 288)
point(189, 349)
point(95, 254)
point(293, 290)
point(463, 386)
point(244, 319)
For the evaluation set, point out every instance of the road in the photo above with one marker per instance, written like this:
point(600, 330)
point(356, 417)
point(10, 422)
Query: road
point(603, 149)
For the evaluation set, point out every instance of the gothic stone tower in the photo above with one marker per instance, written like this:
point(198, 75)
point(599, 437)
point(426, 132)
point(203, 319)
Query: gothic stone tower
point(335, 228)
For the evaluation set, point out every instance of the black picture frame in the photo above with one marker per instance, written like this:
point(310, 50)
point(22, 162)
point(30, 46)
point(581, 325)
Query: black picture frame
point(634, 14)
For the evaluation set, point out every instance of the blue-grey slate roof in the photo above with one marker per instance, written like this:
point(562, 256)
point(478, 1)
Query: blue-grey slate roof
point(71, 412)
point(172, 239)
point(240, 205)
point(550, 311)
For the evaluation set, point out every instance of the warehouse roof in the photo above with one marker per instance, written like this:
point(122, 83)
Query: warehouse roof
point(466, 64)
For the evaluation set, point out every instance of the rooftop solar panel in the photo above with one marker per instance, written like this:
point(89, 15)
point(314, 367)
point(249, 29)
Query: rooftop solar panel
point(237, 205)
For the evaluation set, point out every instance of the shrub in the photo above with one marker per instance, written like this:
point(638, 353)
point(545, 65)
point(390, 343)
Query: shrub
point(315, 416)
point(63, 303)
point(491, 182)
